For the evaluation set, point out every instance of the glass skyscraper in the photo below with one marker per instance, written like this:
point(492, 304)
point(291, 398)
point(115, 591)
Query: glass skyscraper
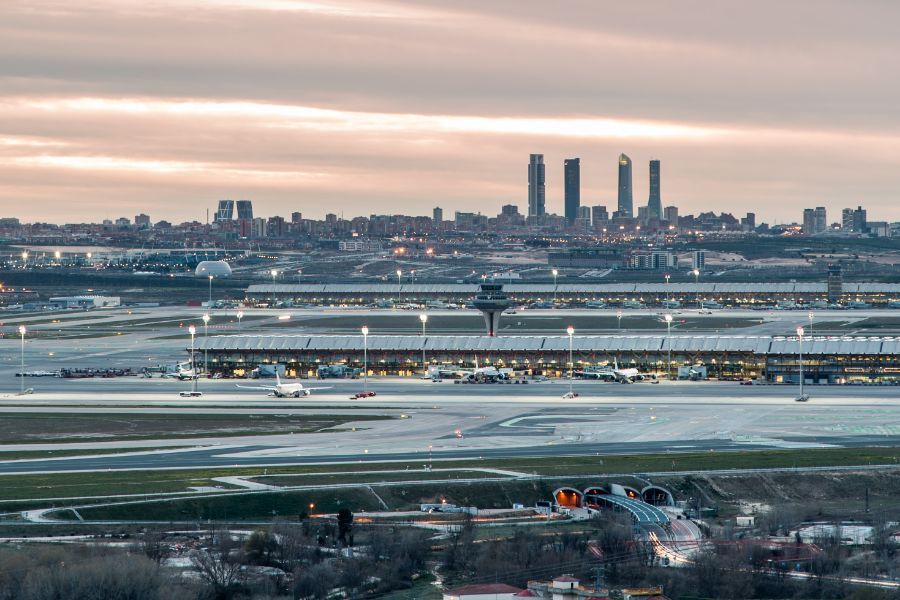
point(572, 178)
point(536, 185)
point(654, 204)
point(626, 200)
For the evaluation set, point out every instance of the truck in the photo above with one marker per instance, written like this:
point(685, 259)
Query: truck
point(267, 370)
point(338, 372)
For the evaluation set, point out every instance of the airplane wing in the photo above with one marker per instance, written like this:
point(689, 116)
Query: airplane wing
point(266, 388)
point(318, 388)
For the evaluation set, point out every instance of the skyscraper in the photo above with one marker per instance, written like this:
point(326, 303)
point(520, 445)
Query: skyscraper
point(437, 214)
point(536, 185)
point(821, 219)
point(809, 221)
point(225, 212)
point(626, 201)
point(572, 177)
point(859, 220)
point(654, 204)
point(245, 210)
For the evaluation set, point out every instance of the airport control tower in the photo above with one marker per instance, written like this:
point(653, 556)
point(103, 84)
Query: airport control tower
point(491, 301)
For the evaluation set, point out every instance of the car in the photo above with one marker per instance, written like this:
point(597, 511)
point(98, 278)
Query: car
point(570, 395)
point(803, 398)
point(359, 395)
point(190, 394)
point(747, 382)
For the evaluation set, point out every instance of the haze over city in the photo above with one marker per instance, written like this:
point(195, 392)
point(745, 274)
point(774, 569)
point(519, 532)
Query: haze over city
point(114, 108)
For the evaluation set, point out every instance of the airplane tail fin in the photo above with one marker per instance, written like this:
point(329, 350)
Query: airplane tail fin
point(277, 377)
point(476, 362)
point(616, 363)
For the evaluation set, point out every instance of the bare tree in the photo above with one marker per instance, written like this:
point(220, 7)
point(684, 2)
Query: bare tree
point(219, 565)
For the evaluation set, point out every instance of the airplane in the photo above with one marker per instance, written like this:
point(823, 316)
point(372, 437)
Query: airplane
point(627, 374)
point(671, 304)
point(183, 372)
point(283, 390)
point(595, 304)
point(436, 373)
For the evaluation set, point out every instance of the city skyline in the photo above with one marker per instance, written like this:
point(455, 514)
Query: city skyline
point(393, 104)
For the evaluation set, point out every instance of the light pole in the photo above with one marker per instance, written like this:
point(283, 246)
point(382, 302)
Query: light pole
point(274, 274)
point(24, 258)
point(619, 318)
point(669, 346)
point(193, 330)
point(240, 316)
point(800, 353)
point(696, 273)
point(571, 331)
point(365, 332)
point(555, 273)
point(667, 287)
point(399, 285)
point(424, 318)
point(205, 343)
point(22, 332)
point(811, 315)
point(209, 304)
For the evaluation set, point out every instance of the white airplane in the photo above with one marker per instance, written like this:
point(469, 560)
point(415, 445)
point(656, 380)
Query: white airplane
point(622, 375)
point(184, 372)
point(476, 374)
point(284, 390)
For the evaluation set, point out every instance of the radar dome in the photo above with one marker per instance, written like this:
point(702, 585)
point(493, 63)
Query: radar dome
point(216, 268)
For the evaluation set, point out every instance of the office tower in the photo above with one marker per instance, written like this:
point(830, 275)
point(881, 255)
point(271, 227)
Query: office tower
point(536, 185)
point(225, 212)
point(698, 260)
point(847, 219)
point(654, 204)
point(859, 220)
point(809, 221)
point(599, 215)
point(626, 201)
point(584, 212)
point(572, 178)
point(643, 214)
point(821, 219)
point(670, 215)
point(437, 214)
point(245, 210)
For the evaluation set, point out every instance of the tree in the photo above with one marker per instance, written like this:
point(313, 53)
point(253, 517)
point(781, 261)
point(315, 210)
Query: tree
point(219, 565)
point(345, 526)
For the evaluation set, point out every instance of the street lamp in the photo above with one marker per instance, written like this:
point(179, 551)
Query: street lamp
point(274, 274)
point(209, 304)
point(555, 273)
point(240, 316)
point(22, 332)
point(205, 343)
point(669, 345)
point(24, 258)
point(801, 398)
point(619, 318)
point(365, 333)
point(424, 318)
point(811, 315)
point(667, 286)
point(571, 331)
point(193, 330)
point(399, 273)
point(696, 273)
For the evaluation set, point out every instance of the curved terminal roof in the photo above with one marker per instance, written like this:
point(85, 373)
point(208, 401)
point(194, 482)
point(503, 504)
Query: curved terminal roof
point(848, 346)
point(413, 289)
point(216, 268)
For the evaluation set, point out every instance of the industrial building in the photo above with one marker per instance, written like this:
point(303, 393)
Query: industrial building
point(838, 360)
point(728, 294)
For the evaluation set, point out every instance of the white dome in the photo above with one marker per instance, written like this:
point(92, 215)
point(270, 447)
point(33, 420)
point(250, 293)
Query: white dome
point(216, 268)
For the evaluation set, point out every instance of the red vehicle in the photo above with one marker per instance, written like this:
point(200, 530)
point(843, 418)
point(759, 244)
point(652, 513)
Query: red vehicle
point(359, 395)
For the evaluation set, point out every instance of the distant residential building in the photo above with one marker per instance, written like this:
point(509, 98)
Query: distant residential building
point(589, 258)
point(296, 217)
point(437, 214)
point(142, 221)
point(847, 219)
point(698, 260)
point(509, 210)
point(878, 228)
point(654, 203)
point(643, 214)
point(659, 260)
point(599, 216)
point(536, 191)
point(670, 214)
point(359, 246)
point(809, 221)
point(258, 227)
point(859, 220)
point(821, 223)
point(748, 223)
point(276, 227)
point(572, 182)
point(626, 200)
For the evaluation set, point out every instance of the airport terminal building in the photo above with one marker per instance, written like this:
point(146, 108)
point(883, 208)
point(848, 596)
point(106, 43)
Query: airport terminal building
point(838, 360)
point(727, 294)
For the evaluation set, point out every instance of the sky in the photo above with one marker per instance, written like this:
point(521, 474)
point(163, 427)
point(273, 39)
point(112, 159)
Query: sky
point(109, 108)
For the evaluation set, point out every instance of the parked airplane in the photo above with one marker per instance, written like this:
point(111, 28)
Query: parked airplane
point(615, 373)
point(595, 304)
point(184, 371)
point(284, 390)
point(477, 374)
